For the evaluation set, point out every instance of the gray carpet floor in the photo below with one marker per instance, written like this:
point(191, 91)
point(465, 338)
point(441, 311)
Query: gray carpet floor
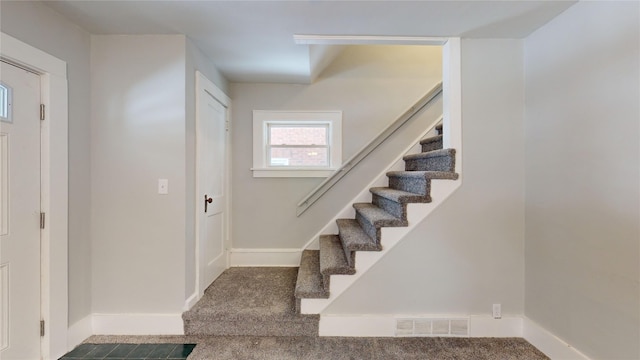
point(332, 348)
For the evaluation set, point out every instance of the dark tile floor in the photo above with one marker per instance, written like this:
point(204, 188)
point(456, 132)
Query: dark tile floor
point(130, 351)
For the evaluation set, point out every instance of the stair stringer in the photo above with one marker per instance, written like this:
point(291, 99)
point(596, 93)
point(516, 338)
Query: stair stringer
point(381, 180)
point(416, 213)
point(391, 236)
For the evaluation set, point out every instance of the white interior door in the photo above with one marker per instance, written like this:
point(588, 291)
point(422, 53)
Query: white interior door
point(20, 214)
point(211, 221)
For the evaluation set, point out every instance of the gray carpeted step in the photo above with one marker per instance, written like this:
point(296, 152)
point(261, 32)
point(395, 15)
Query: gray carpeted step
point(205, 326)
point(432, 143)
point(353, 238)
point(436, 160)
point(439, 129)
point(332, 257)
point(309, 284)
point(418, 182)
point(371, 218)
point(394, 201)
point(250, 302)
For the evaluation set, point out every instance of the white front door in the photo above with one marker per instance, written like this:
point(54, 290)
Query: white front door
point(19, 214)
point(211, 139)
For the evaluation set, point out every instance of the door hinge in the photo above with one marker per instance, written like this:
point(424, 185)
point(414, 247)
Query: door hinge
point(41, 111)
point(42, 218)
point(41, 327)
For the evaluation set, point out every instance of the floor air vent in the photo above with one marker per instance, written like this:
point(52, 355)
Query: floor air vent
point(432, 327)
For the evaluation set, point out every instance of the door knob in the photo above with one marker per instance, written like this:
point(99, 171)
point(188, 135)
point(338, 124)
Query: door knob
point(207, 201)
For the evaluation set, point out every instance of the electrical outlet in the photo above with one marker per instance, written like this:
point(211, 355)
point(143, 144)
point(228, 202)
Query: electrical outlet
point(497, 311)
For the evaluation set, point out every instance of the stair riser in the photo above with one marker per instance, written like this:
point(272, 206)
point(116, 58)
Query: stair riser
point(420, 186)
point(440, 163)
point(394, 208)
point(250, 328)
point(369, 228)
point(435, 145)
point(326, 281)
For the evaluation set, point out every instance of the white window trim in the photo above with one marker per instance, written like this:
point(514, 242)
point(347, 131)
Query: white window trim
point(7, 103)
point(261, 119)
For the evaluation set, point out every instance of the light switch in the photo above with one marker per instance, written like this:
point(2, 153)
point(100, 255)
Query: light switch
point(163, 186)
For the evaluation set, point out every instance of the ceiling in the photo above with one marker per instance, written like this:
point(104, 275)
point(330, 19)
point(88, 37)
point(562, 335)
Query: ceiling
point(252, 41)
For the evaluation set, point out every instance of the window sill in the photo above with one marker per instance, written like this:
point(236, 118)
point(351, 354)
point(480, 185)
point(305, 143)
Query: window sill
point(289, 173)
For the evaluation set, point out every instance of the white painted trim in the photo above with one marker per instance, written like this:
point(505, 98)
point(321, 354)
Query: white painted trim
point(487, 326)
point(261, 121)
point(137, 324)
point(452, 99)
point(384, 325)
point(54, 187)
point(265, 257)
point(203, 84)
point(191, 301)
point(79, 332)
point(29, 57)
point(548, 343)
point(287, 173)
point(366, 40)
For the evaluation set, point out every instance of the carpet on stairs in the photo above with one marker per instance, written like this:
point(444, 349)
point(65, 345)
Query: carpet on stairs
point(250, 302)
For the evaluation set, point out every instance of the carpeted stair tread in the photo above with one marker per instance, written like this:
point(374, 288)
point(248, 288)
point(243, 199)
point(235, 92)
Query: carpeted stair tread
point(354, 238)
point(250, 302)
point(332, 257)
point(430, 154)
point(432, 143)
point(431, 139)
point(309, 283)
point(447, 175)
point(376, 216)
point(434, 160)
point(399, 196)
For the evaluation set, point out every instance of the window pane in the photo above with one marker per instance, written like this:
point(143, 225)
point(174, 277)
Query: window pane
point(4, 102)
point(298, 135)
point(299, 157)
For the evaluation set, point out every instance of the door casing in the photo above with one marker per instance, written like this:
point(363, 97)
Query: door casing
point(54, 188)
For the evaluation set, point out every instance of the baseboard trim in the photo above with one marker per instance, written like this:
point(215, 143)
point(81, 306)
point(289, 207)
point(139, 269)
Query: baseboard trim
point(487, 326)
point(191, 301)
point(79, 332)
point(265, 257)
point(548, 343)
point(385, 325)
point(137, 324)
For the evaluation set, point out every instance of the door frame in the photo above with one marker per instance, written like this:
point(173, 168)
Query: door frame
point(204, 85)
point(53, 188)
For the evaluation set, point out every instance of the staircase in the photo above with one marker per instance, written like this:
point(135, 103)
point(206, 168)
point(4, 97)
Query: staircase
point(388, 208)
point(269, 301)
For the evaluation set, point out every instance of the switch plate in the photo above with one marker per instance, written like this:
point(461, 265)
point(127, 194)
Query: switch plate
point(163, 186)
point(497, 311)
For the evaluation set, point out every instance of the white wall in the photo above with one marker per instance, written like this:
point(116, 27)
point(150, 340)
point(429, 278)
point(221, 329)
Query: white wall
point(468, 254)
point(41, 27)
point(372, 85)
point(138, 136)
point(195, 60)
point(582, 178)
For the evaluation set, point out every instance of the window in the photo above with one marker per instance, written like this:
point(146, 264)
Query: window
point(5, 103)
point(296, 143)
